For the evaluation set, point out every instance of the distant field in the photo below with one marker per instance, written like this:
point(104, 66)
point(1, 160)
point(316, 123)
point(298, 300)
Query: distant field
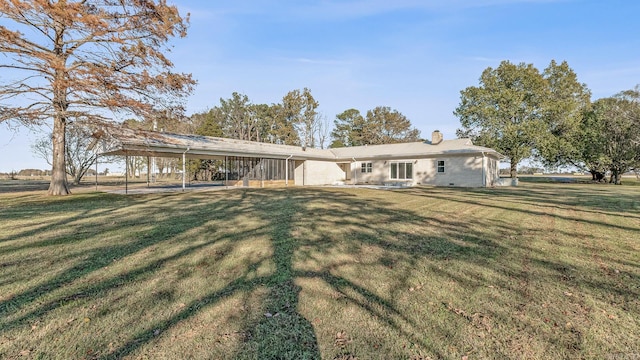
point(105, 183)
point(541, 271)
point(569, 178)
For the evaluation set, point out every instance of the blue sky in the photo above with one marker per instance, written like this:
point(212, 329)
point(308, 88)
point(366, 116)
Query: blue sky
point(413, 56)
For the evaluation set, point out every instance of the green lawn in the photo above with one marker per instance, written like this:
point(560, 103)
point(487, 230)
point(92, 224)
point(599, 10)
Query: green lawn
point(546, 271)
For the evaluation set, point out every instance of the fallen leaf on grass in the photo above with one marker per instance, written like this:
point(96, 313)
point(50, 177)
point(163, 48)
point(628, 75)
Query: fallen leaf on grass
point(342, 339)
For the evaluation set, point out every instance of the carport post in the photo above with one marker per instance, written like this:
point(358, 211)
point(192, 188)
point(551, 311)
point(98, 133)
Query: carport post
point(286, 170)
point(184, 167)
point(126, 174)
point(148, 171)
point(96, 172)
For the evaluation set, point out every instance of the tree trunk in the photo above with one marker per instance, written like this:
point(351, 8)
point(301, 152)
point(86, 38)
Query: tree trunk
point(58, 185)
point(616, 177)
point(514, 172)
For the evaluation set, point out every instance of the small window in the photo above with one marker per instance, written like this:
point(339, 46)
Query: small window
point(440, 166)
point(366, 168)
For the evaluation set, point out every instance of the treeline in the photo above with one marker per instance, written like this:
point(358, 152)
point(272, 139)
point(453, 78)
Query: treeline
point(295, 120)
point(549, 116)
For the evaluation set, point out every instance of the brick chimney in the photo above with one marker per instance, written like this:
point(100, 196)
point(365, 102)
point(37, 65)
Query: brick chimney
point(436, 137)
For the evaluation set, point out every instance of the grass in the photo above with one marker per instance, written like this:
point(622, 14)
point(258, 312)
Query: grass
point(541, 271)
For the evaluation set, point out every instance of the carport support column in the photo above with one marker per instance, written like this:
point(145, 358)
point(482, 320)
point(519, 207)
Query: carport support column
point(97, 172)
point(184, 167)
point(148, 171)
point(226, 172)
point(126, 173)
point(286, 170)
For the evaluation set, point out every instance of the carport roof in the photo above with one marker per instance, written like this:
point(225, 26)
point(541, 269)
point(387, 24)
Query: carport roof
point(125, 141)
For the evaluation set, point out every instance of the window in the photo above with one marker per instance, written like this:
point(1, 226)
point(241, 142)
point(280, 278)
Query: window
point(401, 171)
point(440, 166)
point(366, 168)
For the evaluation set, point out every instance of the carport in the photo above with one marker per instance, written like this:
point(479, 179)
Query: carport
point(246, 163)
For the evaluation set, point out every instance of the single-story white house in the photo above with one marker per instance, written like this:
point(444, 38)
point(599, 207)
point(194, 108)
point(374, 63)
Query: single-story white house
point(436, 162)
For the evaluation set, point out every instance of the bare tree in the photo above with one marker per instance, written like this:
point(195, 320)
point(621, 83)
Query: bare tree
point(323, 130)
point(84, 60)
point(79, 154)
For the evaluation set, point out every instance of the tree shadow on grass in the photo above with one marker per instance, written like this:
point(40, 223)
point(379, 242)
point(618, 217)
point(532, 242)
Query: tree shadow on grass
point(97, 258)
point(281, 331)
point(540, 198)
point(298, 224)
point(610, 200)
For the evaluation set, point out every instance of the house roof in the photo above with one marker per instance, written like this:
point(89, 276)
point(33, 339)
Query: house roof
point(119, 140)
point(412, 150)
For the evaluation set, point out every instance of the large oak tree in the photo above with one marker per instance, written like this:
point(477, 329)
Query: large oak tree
point(569, 101)
point(505, 111)
point(618, 122)
point(86, 60)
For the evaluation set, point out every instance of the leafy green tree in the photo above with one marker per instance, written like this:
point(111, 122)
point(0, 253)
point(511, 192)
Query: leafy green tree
point(568, 102)
point(209, 123)
point(385, 126)
point(278, 129)
point(381, 126)
point(348, 129)
point(591, 143)
point(620, 121)
point(299, 109)
point(506, 110)
point(238, 118)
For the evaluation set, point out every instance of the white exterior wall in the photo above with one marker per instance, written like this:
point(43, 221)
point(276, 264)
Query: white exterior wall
point(378, 175)
point(319, 173)
point(458, 171)
point(463, 171)
point(298, 174)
